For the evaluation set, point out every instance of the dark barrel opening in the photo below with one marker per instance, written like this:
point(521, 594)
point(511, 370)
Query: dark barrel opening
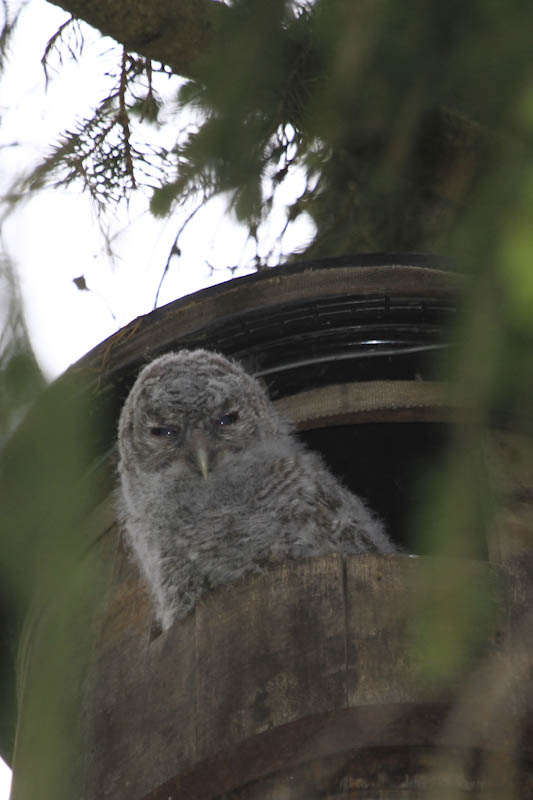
point(385, 463)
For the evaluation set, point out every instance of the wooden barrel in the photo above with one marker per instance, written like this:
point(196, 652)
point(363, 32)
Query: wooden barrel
point(303, 682)
point(299, 683)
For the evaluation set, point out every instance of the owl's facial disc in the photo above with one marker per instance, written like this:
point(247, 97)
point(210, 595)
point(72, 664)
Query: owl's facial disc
point(205, 443)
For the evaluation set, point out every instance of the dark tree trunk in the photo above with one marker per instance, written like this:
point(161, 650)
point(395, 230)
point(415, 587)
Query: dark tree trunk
point(174, 32)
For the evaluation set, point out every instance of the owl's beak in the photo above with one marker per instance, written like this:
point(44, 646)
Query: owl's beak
point(199, 447)
point(201, 460)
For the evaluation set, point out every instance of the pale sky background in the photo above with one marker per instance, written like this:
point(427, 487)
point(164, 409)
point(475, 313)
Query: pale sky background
point(54, 237)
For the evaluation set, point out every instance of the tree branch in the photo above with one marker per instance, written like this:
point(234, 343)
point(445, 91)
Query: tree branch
point(175, 32)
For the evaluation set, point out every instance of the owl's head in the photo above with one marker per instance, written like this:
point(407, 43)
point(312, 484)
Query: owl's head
point(191, 408)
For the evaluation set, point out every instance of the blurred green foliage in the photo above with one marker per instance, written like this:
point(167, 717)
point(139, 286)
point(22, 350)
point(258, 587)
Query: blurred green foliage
point(398, 115)
point(53, 576)
point(20, 377)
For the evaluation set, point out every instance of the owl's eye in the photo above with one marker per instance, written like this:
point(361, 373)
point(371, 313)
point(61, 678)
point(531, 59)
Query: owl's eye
point(228, 419)
point(164, 430)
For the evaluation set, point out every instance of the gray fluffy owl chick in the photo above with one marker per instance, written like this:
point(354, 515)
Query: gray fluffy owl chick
point(214, 486)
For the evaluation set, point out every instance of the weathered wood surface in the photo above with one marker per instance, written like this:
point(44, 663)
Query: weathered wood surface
point(370, 401)
point(273, 674)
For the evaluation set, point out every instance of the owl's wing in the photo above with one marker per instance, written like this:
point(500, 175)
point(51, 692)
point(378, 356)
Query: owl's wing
point(345, 517)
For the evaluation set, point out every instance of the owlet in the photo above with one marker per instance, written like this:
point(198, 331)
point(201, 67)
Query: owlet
point(215, 486)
